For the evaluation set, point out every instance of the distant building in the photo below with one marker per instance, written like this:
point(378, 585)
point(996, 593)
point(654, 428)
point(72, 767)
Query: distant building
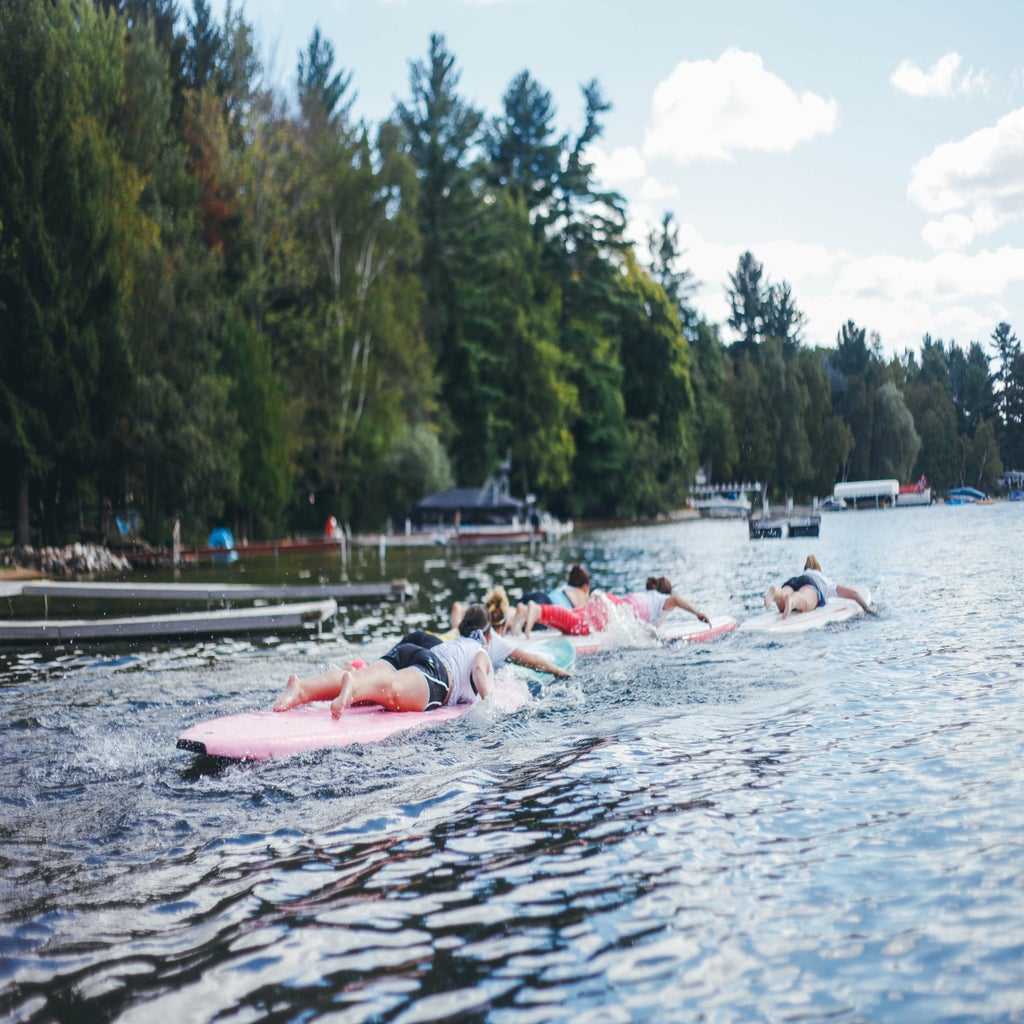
point(860, 493)
point(474, 506)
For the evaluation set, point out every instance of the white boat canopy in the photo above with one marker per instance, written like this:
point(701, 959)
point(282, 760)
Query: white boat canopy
point(860, 490)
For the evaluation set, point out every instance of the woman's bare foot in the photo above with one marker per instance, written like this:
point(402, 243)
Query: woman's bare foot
point(769, 598)
point(292, 694)
point(345, 695)
point(788, 607)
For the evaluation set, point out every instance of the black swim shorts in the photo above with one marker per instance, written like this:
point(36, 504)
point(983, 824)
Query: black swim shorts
point(413, 656)
point(805, 581)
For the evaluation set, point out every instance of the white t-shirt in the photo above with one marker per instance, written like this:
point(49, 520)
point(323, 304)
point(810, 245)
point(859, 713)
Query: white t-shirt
point(499, 648)
point(825, 585)
point(649, 605)
point(458, 656)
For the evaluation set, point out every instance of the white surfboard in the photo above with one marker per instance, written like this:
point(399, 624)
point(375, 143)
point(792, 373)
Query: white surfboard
point(835, 609)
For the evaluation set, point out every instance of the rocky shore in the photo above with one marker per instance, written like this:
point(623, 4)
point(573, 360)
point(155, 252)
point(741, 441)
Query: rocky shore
point(69, 562)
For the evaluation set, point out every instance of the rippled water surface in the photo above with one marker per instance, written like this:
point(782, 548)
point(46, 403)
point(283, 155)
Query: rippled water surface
point(826, 827)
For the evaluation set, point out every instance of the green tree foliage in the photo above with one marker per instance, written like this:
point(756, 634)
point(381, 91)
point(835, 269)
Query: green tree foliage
point(416, 464)
point(265, 479)
point(586, 232)
point(896, 442)
point(950, 396)
point(1009, 400)
point(656, 391)
point(781, 317)
point(531, 406)
point(216, 304)
point(521, 147)
point(538, 405)
point(349, 341)
point(926, 391)
point(440, 130)
point(66, 215)
point(856, 372)
point(204, 43)
point(980, 462)
point(665, 268)
point(978, 400)
point(717, 448)
point(746, 299)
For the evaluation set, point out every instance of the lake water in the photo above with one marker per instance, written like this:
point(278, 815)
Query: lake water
point(830, 827)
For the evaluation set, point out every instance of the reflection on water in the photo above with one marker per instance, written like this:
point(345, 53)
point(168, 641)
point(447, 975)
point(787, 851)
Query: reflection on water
point(825, 827)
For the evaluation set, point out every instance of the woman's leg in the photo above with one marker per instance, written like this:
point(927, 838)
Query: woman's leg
point(569, 620)
point(458, 610)
point(396, 690)
point(804, 600)
point(517, 620)
point(778, 596)
point(324, 686)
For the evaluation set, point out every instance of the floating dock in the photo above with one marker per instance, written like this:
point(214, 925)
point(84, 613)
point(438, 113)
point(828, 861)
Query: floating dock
point(787, 526)
point(294, 607)
point(225, 593)
point(261, 619)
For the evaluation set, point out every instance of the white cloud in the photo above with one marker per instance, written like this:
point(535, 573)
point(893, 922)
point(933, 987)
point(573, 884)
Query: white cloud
point(621, 165)
point(712, 109)
point(942, 79)
point(808, 267)
point(954, 231)
point(950, 295)
point(653, 191)
point(980, 175)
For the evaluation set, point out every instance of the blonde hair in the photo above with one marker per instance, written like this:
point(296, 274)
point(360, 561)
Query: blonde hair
point(496, 603)
point(812, 563)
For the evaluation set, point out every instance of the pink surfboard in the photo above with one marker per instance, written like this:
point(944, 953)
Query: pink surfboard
point(259, 735)
point(689, 630)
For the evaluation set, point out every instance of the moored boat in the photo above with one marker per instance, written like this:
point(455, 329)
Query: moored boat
point(918, 493)
point(966, 496)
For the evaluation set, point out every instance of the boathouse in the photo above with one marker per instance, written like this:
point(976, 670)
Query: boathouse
point(868, 493)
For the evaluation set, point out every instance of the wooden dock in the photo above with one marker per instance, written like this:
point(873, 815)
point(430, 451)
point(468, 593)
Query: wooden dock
point(294, 607)
point(260, 619)
point(766, 527)
point(225, 593)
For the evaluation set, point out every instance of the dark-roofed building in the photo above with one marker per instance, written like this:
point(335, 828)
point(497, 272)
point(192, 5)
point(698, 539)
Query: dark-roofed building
point(490, 505)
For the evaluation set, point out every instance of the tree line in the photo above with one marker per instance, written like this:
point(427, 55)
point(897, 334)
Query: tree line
point(226, 305)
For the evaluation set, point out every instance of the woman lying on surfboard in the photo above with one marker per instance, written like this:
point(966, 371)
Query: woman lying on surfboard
point(810, 590)
point(408, 677)
point(499, 648)
point(574, 593)
point(650, 606)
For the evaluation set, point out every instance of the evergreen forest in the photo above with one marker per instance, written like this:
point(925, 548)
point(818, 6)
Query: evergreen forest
point(226, 305)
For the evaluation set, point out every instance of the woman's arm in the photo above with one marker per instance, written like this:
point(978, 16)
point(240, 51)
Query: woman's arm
point(533, 660)
point(483, 675)
point(675, 601)
point(852, 593)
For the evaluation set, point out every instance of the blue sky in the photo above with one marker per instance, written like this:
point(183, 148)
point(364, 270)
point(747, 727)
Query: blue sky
point(870, 154)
